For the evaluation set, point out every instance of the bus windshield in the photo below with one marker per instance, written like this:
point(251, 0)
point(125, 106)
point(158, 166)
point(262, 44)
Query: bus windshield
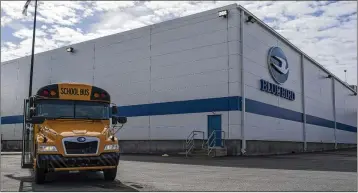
point(60, 109)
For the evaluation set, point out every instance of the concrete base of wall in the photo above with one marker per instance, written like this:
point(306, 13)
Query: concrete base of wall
point(256, 147)
point(173, 147)
point(11, 145)
point(153, 147)
point(344, 145)
point(311, 146)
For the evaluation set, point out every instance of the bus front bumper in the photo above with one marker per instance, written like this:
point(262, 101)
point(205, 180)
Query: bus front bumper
point(61, 163)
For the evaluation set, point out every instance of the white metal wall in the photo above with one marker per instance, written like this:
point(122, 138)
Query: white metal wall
point(193, 57)
point(319, 102)
point(346, 113)
point(14, 81)
point(257, 42)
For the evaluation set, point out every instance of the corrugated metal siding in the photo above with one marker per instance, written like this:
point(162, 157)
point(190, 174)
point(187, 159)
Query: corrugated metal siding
point(168, 77)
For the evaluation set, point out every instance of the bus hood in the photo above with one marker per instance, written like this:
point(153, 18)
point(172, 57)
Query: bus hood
point(68, 128)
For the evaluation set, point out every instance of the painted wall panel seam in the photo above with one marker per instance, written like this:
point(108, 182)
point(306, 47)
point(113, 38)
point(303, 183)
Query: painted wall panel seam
point(334, 111)
point(243, 96)
point(303, 103)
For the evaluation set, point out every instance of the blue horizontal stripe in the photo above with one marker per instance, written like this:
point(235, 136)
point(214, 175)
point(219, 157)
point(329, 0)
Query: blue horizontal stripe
point(346, 127)
point(211, 105)
point(319, 121)
point(260, 108)
point(12, 119)
point(182, 107)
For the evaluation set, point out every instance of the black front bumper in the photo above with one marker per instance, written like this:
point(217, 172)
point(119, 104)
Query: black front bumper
point(58, 161)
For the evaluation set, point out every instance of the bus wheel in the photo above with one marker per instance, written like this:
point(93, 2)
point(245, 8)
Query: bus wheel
point(110, 174)
point(40, 175)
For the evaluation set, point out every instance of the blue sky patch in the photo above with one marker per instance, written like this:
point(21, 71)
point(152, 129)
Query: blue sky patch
point(345, 17)
point(319, 38)
point(269, 19)
point(328, 27)
point(6, 35)
point(86, 23)
point(317, 13)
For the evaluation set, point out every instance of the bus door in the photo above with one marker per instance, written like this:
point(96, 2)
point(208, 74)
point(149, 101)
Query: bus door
point(27, 139)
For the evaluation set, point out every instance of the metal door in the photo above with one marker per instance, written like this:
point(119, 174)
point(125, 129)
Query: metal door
point(214, 130)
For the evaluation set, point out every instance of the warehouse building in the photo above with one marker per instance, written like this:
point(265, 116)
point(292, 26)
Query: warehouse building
point(220, 70)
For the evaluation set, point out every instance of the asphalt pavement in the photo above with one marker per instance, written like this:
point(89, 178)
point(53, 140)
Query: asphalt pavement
point(329, 171)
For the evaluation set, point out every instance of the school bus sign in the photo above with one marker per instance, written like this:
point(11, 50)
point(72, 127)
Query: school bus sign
point(74, 91)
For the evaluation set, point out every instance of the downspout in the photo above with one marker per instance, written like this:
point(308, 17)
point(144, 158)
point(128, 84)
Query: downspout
point(228, 76)
point(334, 112)
point(150, 88)
point(303, 104)
point(0, 121)
point(243, 97)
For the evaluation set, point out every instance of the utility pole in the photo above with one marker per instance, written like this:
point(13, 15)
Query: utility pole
point(33, 42)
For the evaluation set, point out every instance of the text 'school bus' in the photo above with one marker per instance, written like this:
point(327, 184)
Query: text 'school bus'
point(67, 128)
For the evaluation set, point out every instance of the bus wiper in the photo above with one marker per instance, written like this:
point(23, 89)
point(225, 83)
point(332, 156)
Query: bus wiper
point(87, 117)
point(59, 117)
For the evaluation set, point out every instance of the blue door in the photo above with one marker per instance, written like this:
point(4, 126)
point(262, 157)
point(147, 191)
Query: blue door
point(214, 124)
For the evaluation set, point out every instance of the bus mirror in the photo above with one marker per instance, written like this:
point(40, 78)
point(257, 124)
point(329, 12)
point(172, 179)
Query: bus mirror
point(32, 101)
point(37, 120)
point(114, 110)
point(122, 120)
point(114, 120)
point(32, 112)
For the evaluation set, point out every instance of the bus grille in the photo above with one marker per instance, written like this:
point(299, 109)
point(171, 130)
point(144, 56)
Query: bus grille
point(81, 148)
point(58, 161)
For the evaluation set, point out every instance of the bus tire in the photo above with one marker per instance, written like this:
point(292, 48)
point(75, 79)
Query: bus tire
point(40, 175)
point(110, 174)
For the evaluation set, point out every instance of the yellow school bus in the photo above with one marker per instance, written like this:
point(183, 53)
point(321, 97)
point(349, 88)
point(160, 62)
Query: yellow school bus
point(70, 127)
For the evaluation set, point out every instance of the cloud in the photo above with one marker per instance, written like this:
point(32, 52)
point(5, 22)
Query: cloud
point(112, 5)
point(339, 8)
point(12, 9)
point(326, 31)
point(50, 12)
point(27, 33)
point(5, 20)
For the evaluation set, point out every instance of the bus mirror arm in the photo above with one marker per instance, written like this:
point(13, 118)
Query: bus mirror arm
point(114, 110)
point(113, 133)
point(37, 120)
point(117, 131)
point(32, 101)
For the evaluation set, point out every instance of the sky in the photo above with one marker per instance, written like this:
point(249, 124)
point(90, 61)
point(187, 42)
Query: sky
point(324, 30)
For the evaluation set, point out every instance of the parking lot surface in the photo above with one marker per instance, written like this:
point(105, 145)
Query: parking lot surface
point(329, 171)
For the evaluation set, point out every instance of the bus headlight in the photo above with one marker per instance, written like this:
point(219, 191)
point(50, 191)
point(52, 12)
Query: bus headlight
point(46, 148)
point(111, 147)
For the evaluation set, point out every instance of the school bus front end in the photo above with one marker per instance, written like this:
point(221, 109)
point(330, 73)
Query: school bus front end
point(72, 130)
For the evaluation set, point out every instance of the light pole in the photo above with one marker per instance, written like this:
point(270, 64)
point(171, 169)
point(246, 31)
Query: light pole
point(345, 75)
point(33, 42)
